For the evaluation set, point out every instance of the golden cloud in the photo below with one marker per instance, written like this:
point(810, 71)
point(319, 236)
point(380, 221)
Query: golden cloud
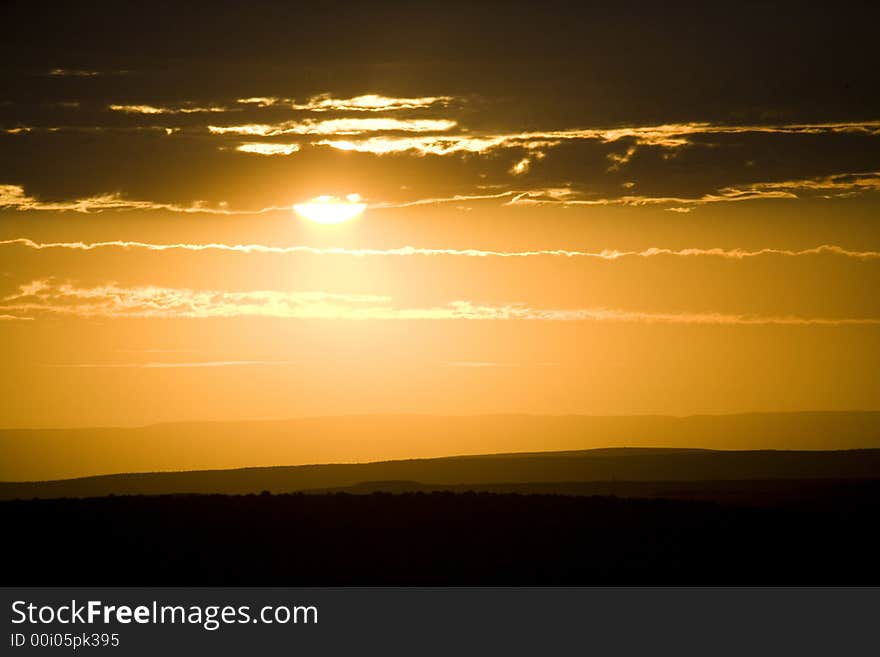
point(370, 103)
point(261, 148)
point(14, 197)
point(335, 127)
point(835, 186)
point(151, 109)
point(673, 135)
point(113, 301)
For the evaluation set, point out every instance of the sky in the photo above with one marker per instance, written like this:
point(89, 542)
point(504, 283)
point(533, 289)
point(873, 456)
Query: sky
point(562, 208)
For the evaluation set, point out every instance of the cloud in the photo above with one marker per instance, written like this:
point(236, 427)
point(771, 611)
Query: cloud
point(521, 167)
point(619, 159)
point(386, 135)
point(457, 198)
point(431, 145)
point(264, 101)
point(674, 135)
point(13, 197)
point(840, 185)
point(82, 73)
point(335, 127)
point(261, 148)
point(152, 109)
point(833, 186)
point(671, 135)
point(88, 129)
point(370, 103)
point(570, 197)
point(364, 103)
point(605, 254)
point(112, 301)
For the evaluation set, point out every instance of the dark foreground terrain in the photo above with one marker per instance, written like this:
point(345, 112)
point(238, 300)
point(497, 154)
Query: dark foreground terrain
point(824, 535)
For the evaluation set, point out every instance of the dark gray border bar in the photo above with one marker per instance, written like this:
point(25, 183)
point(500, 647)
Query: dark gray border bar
point(476, 621)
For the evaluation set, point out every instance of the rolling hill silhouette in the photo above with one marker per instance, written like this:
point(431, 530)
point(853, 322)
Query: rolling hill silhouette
point(616, 471)
point(49, 454)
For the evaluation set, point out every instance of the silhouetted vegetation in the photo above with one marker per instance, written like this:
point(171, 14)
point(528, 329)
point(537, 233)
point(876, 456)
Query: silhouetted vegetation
point(438, 538)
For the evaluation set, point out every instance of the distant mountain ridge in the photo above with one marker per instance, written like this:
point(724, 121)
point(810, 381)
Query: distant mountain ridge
point(485, 472)
point(50, 454)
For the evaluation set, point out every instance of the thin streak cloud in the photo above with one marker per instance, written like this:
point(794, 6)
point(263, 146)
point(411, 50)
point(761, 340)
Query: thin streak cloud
point(429, 145)
point(112, 301)
point(81, 73)
point(260, 148)
point(264, 101)
point(841, 185)
point(14, 197)
point(370, 103)
point(152, 109)
point(673, 135)
point(335, 127)
point(364, 103)
point(605, 254)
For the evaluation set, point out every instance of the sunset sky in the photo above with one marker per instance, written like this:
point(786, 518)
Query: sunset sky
point(552, 209)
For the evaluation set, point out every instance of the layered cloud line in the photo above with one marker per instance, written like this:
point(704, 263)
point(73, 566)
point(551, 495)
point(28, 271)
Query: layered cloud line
point(185, 109)
point(605, 254)
point(112, 301)
point(671, 135)
point(14, 197)
point(840, 185)
point(319, 103)
point(334, 127)
point(442, 135)
point(367, 103)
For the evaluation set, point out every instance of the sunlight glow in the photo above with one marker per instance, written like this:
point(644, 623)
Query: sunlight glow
point(331, 209)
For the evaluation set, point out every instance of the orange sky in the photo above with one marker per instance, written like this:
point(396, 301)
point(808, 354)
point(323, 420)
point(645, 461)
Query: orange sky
point(583, 241)
point(132, 335)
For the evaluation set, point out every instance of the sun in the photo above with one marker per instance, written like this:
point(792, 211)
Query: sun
point(331, 209)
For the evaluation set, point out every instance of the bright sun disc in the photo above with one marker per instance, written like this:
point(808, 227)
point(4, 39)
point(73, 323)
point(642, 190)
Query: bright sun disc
point(331, 209)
